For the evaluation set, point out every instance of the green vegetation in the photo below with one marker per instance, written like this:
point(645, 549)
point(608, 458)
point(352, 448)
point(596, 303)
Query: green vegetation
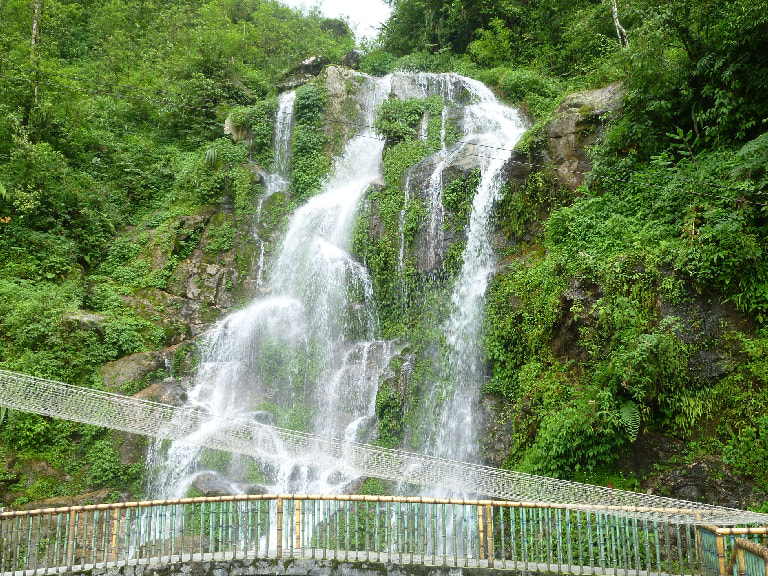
point(311, 160)
point(113, 163)
point(634, 305)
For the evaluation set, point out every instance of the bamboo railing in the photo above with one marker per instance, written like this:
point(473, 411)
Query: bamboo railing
point(726, 551)
point(423, 531)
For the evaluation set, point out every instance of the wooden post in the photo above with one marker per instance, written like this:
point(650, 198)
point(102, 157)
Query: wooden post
point(489, 534)
point(740, 559)
point(297, 519)
point(71, 529)
point(722, 563)
point(279, 527)
point(115, 530)
point(481, 528)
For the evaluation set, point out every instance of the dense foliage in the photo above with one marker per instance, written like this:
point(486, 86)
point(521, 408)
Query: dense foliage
point(635, 306)
point(639, 308)
point(113, 162)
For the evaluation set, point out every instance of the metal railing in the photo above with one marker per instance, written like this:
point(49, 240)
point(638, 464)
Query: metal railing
point(734, 551)
point(422, 531)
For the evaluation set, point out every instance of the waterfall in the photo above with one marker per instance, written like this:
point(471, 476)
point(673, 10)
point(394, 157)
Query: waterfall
point(493, 130)
point(451, 409)
point(277, 180)
point(305, 353)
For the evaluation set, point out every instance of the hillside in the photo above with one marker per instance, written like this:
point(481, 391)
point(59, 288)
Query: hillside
point(624, 331)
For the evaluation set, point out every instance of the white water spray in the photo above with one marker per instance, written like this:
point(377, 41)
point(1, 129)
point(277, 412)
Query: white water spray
point(302, 356)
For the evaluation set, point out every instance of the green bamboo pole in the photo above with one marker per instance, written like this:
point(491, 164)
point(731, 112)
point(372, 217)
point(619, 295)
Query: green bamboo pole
point(434, 508)
point(680, 559)
point(569, 539)
point(657, 541)
point(17, 539)
point(647, 545)
point(579, 541)
point(443, 531)
point(202, 527)
point(465, 532)
point(29, 549)
point(557, 527)
point(691, 548)
point(668, 544)
point(523, 514)
point(75, 540)
point(599, 528)
point(636, 542)
point(513, 535)
point(590, 516)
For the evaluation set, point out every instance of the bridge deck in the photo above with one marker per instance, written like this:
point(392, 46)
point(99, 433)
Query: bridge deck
point(318, 561)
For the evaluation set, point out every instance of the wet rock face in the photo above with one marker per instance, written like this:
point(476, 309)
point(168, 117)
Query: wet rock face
point(430, 251)
point(211, 484)
point(703, 322)
point(577, 311)
point(577, 124)
point(704, 479)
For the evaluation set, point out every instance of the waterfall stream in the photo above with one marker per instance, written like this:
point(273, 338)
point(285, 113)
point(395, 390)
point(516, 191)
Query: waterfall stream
point(307, 353)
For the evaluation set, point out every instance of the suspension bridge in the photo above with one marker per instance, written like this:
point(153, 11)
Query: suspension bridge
point(527, 522)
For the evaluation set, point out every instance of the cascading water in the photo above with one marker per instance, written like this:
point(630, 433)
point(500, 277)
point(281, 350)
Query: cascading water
point(305, 354)
point(490, 130)
point(278, 179)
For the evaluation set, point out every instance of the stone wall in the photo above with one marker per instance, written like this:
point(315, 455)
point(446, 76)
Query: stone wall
point(291, 567)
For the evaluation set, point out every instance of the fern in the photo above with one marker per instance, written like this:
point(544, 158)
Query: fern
point(630, 419)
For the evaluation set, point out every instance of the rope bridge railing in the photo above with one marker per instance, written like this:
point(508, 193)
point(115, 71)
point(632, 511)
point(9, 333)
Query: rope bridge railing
point(59, 400)
point(393, 530)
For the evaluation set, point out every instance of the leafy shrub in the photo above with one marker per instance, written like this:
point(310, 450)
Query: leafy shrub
point(105, 467)
point(221, 238)
point(532, 88)
point(378, 63)
point(258, 120)
point(309, 103)
point(397, 119)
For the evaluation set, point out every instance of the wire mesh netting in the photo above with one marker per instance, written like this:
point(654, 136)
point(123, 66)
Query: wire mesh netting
point(59, 400)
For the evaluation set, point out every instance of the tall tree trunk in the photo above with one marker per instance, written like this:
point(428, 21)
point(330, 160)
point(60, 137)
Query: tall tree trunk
point(34, 56)
point(620, 31)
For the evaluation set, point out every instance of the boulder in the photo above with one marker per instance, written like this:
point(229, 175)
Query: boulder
point(134, 367)
point(303, 72)
point(312, 66)
point(169, 391)
point(211, 484)
point(352, 59)
point(83, 320)
point(237, 133)
point(577, 124)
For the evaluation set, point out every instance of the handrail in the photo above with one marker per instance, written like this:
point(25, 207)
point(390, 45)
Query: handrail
point(715, 542)
point(425, 531)
point(245, 436)
point(382, 498)
point(740, 558)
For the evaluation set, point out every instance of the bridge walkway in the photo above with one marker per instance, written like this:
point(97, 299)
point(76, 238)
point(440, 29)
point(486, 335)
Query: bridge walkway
point(379, 530)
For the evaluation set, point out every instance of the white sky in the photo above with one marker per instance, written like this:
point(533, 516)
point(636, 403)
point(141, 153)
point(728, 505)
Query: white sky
point(364, 15)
